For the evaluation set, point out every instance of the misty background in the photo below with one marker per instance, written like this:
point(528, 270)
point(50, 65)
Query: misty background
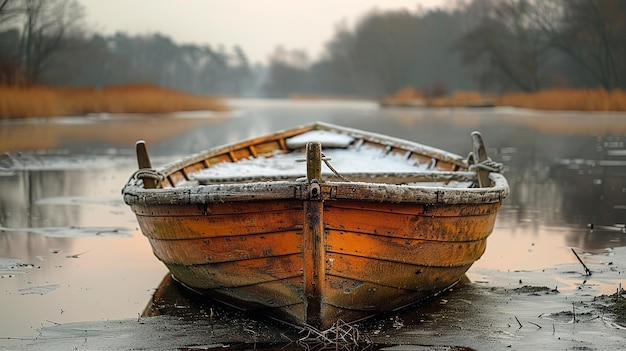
point(483, 45)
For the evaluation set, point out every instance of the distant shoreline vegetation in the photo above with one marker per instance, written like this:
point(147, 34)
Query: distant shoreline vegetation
point(41, 101)
point(553, 99)
point(541, 48)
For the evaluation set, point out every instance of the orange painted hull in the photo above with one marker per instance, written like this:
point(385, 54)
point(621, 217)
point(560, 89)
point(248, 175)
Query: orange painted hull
point(343, 250)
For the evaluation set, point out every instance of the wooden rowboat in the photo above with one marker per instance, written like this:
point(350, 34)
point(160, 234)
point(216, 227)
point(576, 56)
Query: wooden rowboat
point(367, 224)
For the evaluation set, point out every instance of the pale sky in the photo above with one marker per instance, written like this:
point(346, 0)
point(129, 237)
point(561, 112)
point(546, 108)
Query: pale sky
point(258, 26)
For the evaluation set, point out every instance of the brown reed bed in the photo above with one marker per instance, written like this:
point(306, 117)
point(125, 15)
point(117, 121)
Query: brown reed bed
point(39, 101)
point(556, 99)
point(405, 97)
point(568, 99)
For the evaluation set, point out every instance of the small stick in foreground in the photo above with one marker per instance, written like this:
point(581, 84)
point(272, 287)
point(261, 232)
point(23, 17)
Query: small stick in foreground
point(518, 322)
point(587, 271)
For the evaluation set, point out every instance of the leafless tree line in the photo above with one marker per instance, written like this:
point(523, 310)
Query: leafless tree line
point(493, 45)
point(47, 41)
point(46, 28)
point(524, 44)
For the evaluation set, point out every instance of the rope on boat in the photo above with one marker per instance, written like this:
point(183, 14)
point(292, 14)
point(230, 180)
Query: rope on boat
point(147, 173)
point(327, 162)
point(488, 165)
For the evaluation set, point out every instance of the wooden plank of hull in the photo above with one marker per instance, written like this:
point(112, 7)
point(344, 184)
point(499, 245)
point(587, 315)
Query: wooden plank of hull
point(247, 299)
point(369, 300)
point(397, 286)
point(218, 208)
point(415, 251)
point(227, 248)
point(401, 225)
point(230, 275)
point(394, 275)
point(209, 226)
point(280, 295)
point(441, 210)
point(375, 298)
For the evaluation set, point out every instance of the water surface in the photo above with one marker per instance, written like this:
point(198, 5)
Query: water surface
point(71, 251)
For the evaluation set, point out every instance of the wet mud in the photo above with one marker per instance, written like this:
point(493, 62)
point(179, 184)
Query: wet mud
point(76, 272)
point(473, 316)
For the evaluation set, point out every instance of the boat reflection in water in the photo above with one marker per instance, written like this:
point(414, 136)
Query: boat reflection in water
point(218, 322)
point(173, 299)
point(243, 331)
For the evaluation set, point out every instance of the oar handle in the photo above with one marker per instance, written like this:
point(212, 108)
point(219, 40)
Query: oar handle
point(480, 155)
point(143, 161)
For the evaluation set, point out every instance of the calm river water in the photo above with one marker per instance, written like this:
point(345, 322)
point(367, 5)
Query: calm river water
point(71, 251)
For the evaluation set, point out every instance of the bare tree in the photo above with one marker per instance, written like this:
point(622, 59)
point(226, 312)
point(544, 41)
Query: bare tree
point(286, 72)
point(340, 63)
point(506, 46)
point(514, 39)
point(47, 27)
point(9, 43)
point(590, 32)
point(8, 10)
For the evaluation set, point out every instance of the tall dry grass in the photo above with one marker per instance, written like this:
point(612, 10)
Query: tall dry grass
point(567, 99)
point(408, 96)
point(557, 99)
point(21, 102)
point(27, 102)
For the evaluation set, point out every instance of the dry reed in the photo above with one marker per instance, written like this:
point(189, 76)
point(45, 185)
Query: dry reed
point(20, 102)
point(557, 99)
point(568, 99)
point(405, 97)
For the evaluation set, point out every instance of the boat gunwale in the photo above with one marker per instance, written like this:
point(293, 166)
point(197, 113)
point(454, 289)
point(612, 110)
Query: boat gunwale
point(296, 190)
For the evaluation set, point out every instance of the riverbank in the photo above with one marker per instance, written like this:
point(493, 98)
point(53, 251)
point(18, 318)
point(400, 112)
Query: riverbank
point(556, 99)
point(39, 101)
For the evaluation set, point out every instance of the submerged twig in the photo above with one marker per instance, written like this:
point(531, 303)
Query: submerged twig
point(77, 255)
point(587, 271)
point(16, 338)
point(518, 322)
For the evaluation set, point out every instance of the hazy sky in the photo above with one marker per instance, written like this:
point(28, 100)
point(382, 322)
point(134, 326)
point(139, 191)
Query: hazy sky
point(258, 26)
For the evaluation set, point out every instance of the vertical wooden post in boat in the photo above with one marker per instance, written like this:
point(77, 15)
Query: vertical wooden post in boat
point(480, 155)
point(313, 162)
point(313, 236)
point(143, 161)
